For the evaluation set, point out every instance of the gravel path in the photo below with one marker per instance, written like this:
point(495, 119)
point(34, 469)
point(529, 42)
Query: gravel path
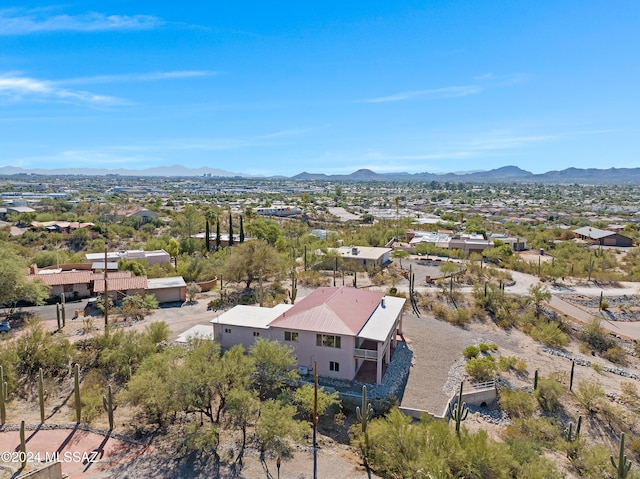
point(438, 365)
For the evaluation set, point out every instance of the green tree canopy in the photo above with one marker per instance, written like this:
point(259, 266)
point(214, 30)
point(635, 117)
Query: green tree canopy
point(14, 282)
point(249, 260)
point(274, 363)
point(267, 230)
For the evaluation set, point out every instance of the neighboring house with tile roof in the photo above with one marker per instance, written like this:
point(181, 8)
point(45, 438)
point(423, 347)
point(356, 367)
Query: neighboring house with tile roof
point(119, 287)
point(144, 214)
point(345, 331)
point(73, 284)
point(78, 284)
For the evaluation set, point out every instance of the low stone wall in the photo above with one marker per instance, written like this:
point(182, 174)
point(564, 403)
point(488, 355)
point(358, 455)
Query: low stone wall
point(49, 471)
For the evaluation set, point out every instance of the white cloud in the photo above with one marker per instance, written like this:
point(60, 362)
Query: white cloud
point(19, 87)
point(23, 22)
point(445, 92)
point(141, 77)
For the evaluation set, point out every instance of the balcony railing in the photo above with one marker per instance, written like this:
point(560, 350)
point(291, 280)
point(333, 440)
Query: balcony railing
point(365, 353)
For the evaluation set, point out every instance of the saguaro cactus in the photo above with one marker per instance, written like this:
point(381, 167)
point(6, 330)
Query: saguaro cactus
point(42, 393)
point(3, 398)
point(109, 406)
point(623, 466)
point(23, 446)
point(364, 413)
point(574, 437)
point(63, 312)
point(293, 294)
point(573, 367)
point(535, 380)
point(460, 411)
point(76, 392)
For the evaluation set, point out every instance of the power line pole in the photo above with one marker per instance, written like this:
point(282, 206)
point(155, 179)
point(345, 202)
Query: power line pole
point(106, 293)
point(315, 421)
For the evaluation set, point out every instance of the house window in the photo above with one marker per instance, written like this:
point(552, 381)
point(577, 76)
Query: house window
point(68, 288)
point(291, 336)
point(227, 330)
point(334, 366)
point(256, 333)
point(328, 340)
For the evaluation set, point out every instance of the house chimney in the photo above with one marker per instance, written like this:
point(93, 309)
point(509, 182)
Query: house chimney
point(382, 303)
point(33, 269)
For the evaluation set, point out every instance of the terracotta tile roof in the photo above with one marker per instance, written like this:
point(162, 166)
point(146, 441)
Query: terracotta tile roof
point(111, 275)
point(121, 284)
point(342, 311)
point(68, 277)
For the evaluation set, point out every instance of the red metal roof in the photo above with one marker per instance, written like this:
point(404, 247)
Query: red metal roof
point(342, 311)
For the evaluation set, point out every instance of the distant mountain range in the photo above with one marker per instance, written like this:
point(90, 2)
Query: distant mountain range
point(506, 174)
point(164, 171)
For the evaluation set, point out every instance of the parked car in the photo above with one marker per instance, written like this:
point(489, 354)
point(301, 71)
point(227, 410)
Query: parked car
point(5, 327)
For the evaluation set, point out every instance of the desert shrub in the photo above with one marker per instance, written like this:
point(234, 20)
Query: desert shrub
point(91, 390)
point(593, 463)
point(506, 363)
point(589, 395)
point(634, 445)
point(398, 447)
point(543, 432)
point(41, 349)
point(133, 307)
point(629, 394)
point(549, 334)
point(604, 305)
point(157, 332)
point(440, 311)
point(597, 367)
point(459, 317)
point(427, 301)
point(616, 354)
point(122, 351)
point(10, 362)
point(313, 279)
point(481, 369)
point(477, 313)
point(617, 418)
point(548, 394)
point(596, 337)
point(517, 403)
point(521, 366)
point(471, 352)
point(483, 347)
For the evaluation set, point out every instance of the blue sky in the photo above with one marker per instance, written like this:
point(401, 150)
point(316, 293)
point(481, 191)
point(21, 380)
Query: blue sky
point(277, 88)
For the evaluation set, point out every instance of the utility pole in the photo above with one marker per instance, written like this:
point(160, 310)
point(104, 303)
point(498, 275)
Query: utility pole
point(106, 293)
point(315, 421)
